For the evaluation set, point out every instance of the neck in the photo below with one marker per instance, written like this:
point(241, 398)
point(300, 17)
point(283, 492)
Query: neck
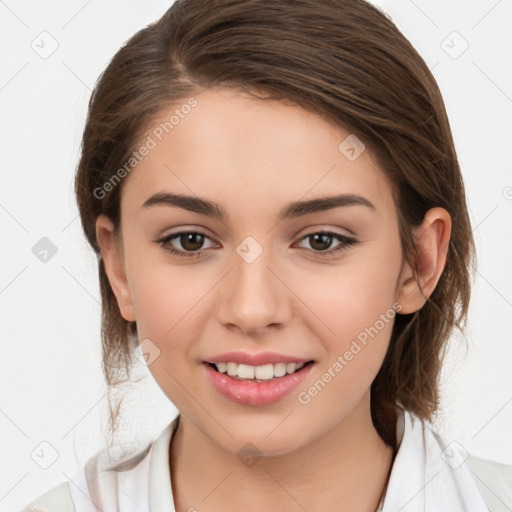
point(345, 469)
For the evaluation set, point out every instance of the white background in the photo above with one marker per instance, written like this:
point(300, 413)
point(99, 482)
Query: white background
point(50, 375)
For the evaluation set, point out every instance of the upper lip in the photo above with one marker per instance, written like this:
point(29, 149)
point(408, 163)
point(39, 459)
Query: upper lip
point(258, 359)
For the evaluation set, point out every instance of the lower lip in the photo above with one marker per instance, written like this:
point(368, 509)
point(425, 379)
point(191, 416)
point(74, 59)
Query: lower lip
point(256, 393)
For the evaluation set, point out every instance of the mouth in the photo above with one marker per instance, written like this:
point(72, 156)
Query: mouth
point(264, 373)
point(246, 387)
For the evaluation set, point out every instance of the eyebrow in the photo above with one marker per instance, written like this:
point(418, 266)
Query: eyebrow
point(292, 210)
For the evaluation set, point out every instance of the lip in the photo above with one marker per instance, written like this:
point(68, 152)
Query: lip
point(259, 359)
point(256, 393)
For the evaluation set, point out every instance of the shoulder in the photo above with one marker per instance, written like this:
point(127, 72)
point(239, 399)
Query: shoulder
point(112, 480)
point(97, 483)
point(493, 479)
point(460, 480)
point(57, 499)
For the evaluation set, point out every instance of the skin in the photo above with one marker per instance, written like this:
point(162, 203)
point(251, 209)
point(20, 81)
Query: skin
point(255, 157)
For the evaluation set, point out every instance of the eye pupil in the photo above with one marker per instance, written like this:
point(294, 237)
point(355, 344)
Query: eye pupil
point(191, 237)
point(322, 239)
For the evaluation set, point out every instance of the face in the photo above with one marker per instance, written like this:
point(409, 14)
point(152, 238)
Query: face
point(255, 280)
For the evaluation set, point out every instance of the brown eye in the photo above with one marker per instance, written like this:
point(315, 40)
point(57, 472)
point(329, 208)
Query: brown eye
point(321, 241)
point(191, 242)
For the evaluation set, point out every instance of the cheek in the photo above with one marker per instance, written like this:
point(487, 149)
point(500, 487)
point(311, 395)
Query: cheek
point(354, 304)
point(359, 317)
point(359, 306)
point(164, 291)
point(168, 304)
point(166, 300)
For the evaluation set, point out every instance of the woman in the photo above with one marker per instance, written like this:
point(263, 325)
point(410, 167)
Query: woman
point(274, 197)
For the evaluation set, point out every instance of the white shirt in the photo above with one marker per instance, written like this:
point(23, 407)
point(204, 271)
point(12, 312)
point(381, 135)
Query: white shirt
point(428, 474)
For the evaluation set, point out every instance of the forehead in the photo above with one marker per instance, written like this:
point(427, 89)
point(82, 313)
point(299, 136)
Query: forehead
point(241, 150)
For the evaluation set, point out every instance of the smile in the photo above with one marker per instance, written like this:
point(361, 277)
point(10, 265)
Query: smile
point(256, 385)
point(257, 373)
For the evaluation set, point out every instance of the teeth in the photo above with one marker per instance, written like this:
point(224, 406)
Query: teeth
point(231, 369)
point(265, 372)
point(245, 371)
point(221, 367)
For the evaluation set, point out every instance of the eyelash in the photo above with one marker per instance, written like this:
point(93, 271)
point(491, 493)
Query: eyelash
point(346, 242)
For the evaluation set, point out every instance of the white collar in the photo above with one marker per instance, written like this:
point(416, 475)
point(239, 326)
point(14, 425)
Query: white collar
point(428, 474)
point(160, 490)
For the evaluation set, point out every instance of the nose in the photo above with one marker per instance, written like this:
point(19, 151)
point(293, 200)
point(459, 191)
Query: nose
point(254, 297)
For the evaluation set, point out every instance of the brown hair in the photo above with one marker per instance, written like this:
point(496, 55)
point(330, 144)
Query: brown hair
point(342, 59)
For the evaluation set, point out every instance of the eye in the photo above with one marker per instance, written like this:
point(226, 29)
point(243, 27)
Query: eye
point(321, 240)
point(190, 241)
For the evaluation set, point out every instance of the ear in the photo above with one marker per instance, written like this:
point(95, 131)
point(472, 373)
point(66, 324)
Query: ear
point(113, 260)
point(432, 240)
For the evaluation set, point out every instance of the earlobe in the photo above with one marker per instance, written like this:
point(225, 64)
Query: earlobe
point(113, 260)
point(432, 240)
